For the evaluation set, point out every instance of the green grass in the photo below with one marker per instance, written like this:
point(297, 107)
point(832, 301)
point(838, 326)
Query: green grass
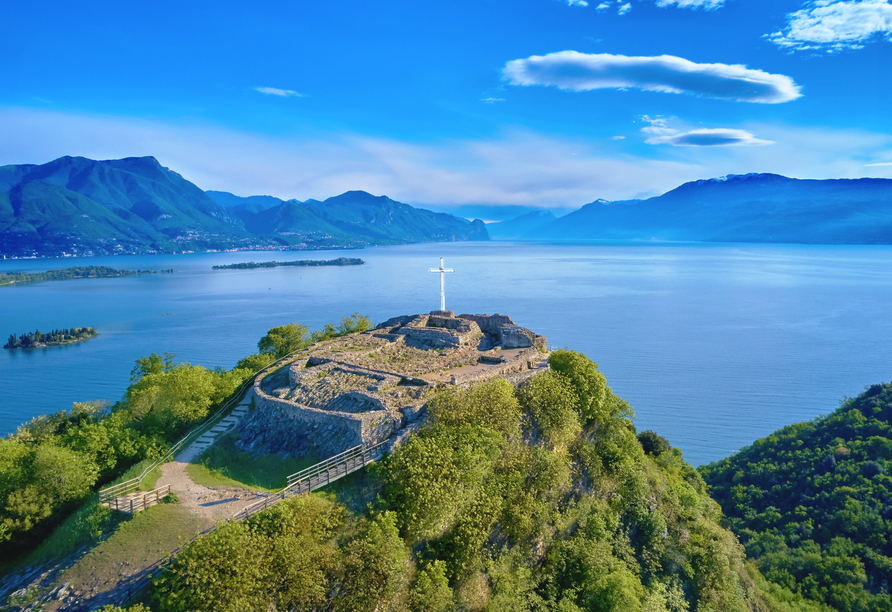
point(135, 545)
point(83, 527)
point(224, 465)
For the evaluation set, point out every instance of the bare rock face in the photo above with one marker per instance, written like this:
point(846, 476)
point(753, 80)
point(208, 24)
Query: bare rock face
point(374, 386)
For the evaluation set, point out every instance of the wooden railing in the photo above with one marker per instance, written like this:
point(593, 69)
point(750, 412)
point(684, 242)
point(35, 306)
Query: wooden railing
point(128, 486)
point(300, 483)
point(135, 503)
point(318, 476)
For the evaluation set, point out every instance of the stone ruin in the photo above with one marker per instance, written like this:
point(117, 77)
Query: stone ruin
point(373, 386)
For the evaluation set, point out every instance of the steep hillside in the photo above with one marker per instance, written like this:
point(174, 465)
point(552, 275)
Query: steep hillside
point(122, 205)
point(813, 504)
point(538, 498)
point(743, 208)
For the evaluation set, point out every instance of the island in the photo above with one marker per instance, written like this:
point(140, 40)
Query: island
point(10, 278)
point(252, 265)
point(57, 337)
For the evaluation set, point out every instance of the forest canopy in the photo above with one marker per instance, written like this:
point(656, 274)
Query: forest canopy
point(812, 502)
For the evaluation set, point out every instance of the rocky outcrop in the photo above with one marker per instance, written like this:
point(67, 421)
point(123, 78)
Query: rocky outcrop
point(367, 387)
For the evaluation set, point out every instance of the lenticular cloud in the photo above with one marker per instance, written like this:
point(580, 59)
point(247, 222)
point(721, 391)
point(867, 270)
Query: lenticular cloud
point(576, 71)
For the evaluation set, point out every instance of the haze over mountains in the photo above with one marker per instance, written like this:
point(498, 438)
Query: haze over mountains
point(741, 208)
point(80, 206)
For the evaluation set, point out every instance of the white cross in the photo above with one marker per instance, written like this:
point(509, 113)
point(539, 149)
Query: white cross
point(442, 272)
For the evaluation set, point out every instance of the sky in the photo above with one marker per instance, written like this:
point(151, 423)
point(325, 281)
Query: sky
point(483, 107)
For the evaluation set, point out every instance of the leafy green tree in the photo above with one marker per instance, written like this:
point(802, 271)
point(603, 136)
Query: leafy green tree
point(375, 567)
point(492, 405)
point(597, 401)
point(255, 362)
point(223, 571)
point(431, 592)
point(553, 402)
point(284, 340)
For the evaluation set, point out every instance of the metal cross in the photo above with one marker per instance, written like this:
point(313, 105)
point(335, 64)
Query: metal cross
point(442, 272)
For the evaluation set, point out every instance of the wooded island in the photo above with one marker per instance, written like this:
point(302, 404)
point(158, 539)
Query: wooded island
point(252, 265)
point(9, 278)
point(57, 337)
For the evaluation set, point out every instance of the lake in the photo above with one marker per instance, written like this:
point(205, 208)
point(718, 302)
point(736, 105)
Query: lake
point(713, 345)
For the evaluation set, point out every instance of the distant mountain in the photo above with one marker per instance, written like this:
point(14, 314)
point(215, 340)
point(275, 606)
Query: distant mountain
point(743, 208)
point(519, 227)
point(76, 204)
point(230, 200)
point(380, 218)
point(80, 206)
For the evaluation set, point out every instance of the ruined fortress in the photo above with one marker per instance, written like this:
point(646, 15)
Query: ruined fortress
point(373, 386)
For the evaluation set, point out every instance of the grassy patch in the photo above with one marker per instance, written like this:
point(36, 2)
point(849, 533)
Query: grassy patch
point(224, 465)
point(135, 545)
point(85, 526)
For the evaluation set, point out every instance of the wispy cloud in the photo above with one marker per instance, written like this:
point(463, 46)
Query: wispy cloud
point(603, 5)
point(625, 8)
point(879, 165)
point(835, 26)
point(692, 4)
point(617, 138)
point(661, 131)
point(574, 71)
point(577, 2)
point(274, 91)
point(492, 100)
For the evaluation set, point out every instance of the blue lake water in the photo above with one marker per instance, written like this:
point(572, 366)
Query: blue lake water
point(713, 345)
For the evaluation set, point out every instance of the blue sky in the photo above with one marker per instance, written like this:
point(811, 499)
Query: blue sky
point(530, 103)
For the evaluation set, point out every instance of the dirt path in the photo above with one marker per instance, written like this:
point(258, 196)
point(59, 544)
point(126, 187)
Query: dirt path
point(218, 503)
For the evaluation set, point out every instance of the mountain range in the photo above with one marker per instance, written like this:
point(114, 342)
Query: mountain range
point(75, 205)
point(740, 208)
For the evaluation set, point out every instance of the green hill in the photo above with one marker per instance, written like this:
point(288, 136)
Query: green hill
point(813, 503)
point(538, 498)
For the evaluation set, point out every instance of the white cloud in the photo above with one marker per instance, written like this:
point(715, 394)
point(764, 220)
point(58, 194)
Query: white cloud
point(834, 26)
point(574, 71)
point(625, 8)
point(879, 165)
point(660, 131)
point(617, 138)
point(284, 93)
point(709, 138)
point(577, 3)
point(692, 4)
point(492, 100)
point(513, 167)
point(603, 5)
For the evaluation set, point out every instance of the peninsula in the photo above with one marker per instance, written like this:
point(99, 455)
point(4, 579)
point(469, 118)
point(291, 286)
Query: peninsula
point(11, 278)
point(57, 337)
point(253, 265)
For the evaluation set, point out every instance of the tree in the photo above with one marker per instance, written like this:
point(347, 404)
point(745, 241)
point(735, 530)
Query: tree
point(284, 340)
point(596, 400)
point(375, 567)
point(554, 403)
point(492, 405)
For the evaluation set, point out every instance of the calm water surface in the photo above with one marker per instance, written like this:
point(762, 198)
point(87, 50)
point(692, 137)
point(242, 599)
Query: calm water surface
point(713, 345)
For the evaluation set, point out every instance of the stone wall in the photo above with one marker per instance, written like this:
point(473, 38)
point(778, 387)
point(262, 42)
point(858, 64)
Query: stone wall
point(278, 425)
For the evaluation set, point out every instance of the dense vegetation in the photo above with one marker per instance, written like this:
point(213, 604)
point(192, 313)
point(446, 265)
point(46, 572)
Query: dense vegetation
point(251, 265)
point(540, 498)
point(8, 278)
point(52, 466)
point(813, 504)
point(57, 337)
